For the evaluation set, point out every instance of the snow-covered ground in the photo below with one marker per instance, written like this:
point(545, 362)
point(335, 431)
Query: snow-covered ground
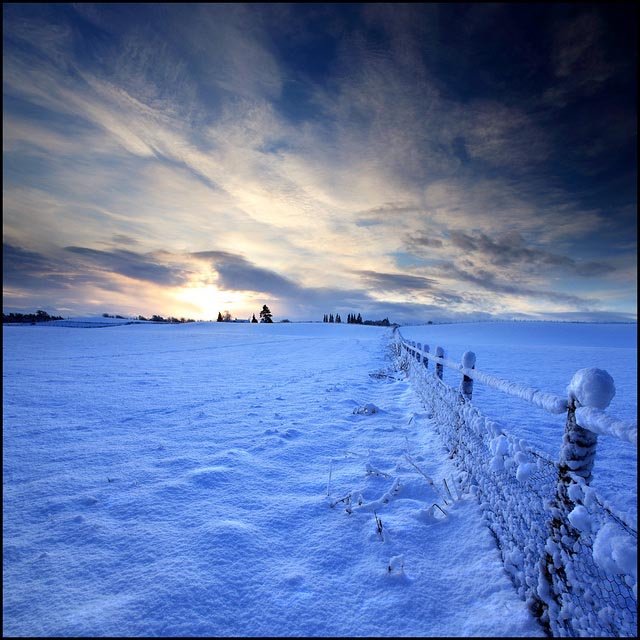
point(173, 480)
point(546, 356)
point(179, 479)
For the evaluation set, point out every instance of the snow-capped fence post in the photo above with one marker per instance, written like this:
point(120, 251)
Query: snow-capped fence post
point(439, 365)
point(425, 356)
point(468, 362)
point(589, 388)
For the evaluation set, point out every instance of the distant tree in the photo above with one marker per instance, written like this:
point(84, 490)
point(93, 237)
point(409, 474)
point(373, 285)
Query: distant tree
point(32, 318)
point(338, 318)
point(253, 318)
point(226, 317)
point(325, 318)
point(359, 319)
point(378, 323)
point(331, 317)
point(219, 317)
point(142, 318)
point(265, 314)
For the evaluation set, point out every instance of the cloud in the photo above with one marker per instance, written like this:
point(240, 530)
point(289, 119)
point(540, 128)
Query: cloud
point(120, 238)
point(398, 281)
point(578, 58)
point(133, 265)
point(419, 240)
point(34, 271)
point(511, 249)
point(503, 136)
point(235, 273)
point(490, 281)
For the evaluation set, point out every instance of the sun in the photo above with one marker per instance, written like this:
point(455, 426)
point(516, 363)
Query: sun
point(209, 301)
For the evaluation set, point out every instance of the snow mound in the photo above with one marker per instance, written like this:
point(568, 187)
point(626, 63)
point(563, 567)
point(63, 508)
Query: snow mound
point(367, 409)
point(592, 388)
point(615, 552)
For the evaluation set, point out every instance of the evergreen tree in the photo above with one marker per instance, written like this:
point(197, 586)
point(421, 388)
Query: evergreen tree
point(253, 318)
point(265, 314)
point(338, 319)
point(359, 319)
point(331, 317)
point(219, 317)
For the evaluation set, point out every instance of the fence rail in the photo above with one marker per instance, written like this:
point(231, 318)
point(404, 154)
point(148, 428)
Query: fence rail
point(570, 556)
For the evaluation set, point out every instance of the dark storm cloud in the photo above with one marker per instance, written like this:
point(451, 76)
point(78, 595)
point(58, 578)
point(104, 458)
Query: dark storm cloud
point(408, 284)
point(133, 265)
point(490, 282)
point(511, 250)
point(235, 273)
point(419, 240)
point(121, 239)
point(397, 281)
point(35, 271)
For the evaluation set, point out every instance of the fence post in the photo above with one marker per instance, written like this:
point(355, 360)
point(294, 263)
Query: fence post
point(439, 366)
point(468, 362)
point(425, 357)
point(588, 387)
point(419, 351)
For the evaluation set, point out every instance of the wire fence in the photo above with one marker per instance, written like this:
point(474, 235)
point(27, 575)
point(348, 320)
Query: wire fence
point(559, 542)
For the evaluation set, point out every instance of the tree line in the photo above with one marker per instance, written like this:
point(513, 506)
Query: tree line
point(352, 318)
point(38, 316)
point(157, 318)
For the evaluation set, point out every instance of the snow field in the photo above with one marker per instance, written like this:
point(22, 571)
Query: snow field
point(172, 480)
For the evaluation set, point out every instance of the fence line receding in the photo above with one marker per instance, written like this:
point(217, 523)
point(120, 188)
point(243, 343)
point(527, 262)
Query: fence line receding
point(571, 557)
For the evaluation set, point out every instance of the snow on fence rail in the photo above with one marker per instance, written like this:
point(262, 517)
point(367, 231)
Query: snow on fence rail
point(569, 555)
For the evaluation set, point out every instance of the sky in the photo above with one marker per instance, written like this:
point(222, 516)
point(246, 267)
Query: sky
point(417, 162)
